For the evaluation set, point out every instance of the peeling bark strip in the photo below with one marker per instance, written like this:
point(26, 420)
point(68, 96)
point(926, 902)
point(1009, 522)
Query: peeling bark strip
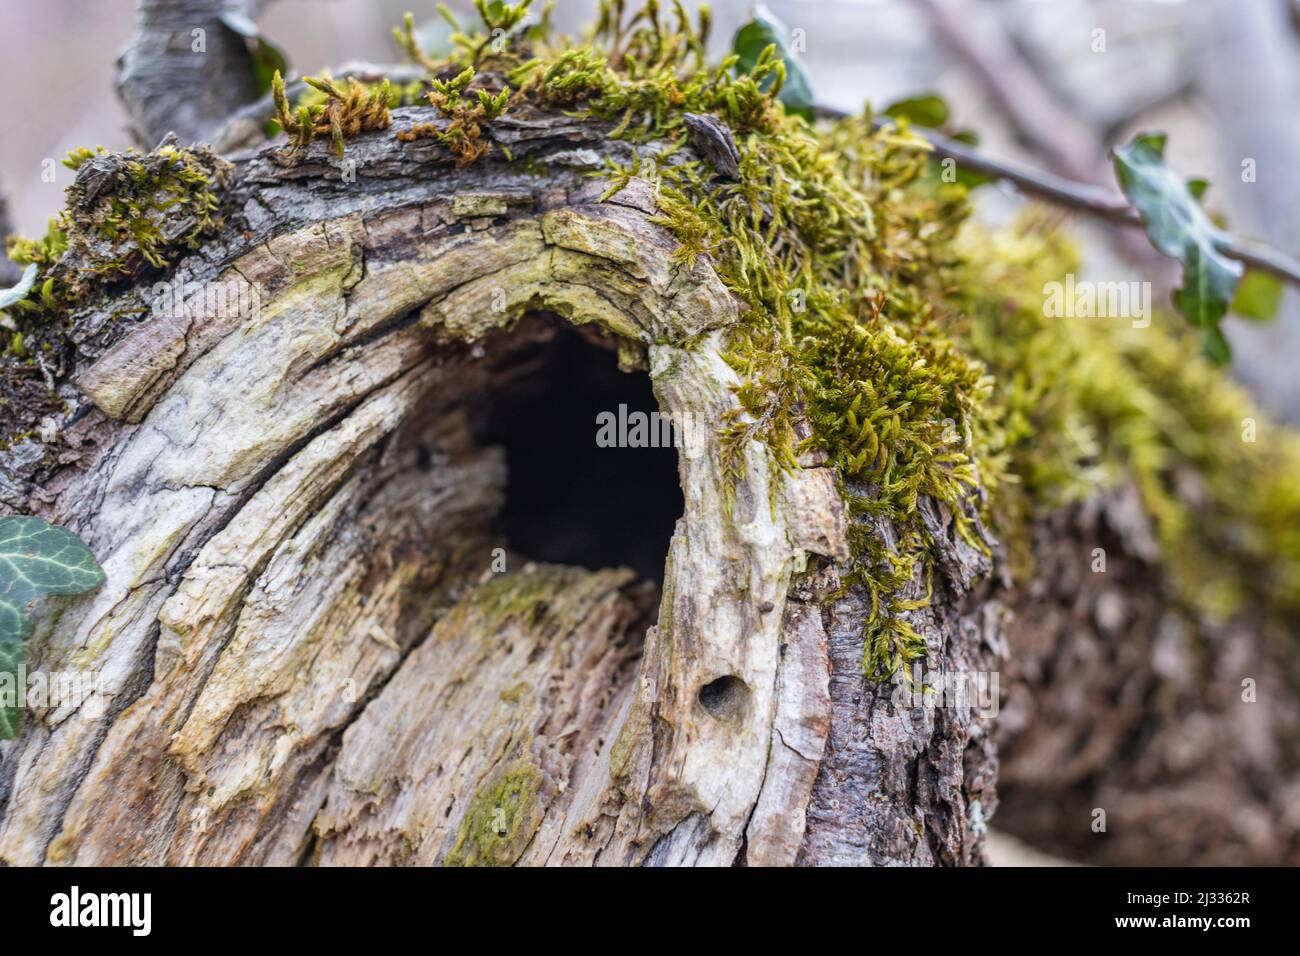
point(303, 654)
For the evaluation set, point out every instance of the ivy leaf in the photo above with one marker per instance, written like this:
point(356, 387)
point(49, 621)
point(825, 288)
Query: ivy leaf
point(1258, 296)
point(12, 655)
point(756, 36)
point(1178, 226)
point(19, 292)
point(928, 110)
point(37, 560)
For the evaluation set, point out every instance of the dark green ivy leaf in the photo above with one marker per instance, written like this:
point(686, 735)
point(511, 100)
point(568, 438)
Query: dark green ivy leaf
point(37, 560)
point(756, 36)
point(1178, 226)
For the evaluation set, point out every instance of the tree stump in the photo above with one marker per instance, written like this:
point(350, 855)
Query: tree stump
point(317, 645)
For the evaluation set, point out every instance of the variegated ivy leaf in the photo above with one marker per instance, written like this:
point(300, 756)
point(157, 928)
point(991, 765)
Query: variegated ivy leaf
point(37, 560)
point(19, 292)
point(1178, 226)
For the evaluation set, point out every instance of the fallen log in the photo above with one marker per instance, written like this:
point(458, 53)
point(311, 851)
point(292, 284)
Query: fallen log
point(313, 645)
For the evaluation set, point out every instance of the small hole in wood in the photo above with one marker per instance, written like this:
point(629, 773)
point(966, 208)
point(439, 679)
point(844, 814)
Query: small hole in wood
point(726, 698)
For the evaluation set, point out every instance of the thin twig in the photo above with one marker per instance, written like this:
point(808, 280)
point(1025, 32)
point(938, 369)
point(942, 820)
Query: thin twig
point(1097, 200)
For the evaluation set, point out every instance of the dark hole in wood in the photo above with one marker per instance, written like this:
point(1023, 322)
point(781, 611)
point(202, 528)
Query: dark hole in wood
point(569, 501)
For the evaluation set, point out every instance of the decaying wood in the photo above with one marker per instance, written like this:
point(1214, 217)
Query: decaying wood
point(305, 654)
point(1123, 700)
point(555, 644)
point(934, 767)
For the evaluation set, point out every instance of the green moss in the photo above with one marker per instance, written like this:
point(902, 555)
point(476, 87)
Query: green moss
point(501, 819)
point(463, 135)
point(391, 95)
point(914, 345)
point(1080, 405)
point(126, 214)
point(339, 112)
point(523, 594)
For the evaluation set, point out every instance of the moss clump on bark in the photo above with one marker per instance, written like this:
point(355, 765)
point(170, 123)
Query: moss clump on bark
point(1079, 405)
point(463, 134)
point(126, 214)
point(916, 346)
point(501, 819)
point(339, 112)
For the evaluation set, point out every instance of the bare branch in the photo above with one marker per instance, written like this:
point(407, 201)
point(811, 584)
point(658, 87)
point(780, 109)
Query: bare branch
point(185, 70)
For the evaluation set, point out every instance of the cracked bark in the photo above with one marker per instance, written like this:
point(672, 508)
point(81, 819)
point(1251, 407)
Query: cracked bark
point(303, 651)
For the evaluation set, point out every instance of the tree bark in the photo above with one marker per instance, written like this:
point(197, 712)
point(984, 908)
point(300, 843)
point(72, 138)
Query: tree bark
point(306, 654)
point(1124, 700)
